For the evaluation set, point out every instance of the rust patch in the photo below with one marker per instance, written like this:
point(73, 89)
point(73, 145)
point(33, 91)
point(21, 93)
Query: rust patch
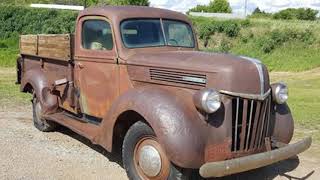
point(218, 152)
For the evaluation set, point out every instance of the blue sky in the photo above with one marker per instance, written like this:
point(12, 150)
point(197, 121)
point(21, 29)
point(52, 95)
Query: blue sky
point(238, 5)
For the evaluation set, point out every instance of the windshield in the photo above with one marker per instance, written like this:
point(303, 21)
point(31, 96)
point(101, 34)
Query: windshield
point(138, 33)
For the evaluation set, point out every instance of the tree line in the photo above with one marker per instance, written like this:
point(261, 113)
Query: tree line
point(288, 14)
point(78, 2)
point(223, 6)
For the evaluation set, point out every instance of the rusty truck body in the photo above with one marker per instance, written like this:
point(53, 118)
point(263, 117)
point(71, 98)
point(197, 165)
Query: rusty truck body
point(133, 78)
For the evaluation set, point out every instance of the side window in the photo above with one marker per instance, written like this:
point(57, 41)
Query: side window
point(97, 35)
point(178, 33)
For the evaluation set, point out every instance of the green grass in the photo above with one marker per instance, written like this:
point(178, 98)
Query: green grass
point(8, 57)
point(10, 95)
point(292, 55)
point(9, 50)
point(304, 99)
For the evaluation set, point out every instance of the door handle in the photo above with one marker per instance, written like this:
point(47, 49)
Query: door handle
point(80, 65)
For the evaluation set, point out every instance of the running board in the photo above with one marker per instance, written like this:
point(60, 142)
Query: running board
point(84, 118)
point(88, 130)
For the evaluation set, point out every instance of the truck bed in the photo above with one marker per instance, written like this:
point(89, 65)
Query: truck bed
point(57, 46)
point(51, 56)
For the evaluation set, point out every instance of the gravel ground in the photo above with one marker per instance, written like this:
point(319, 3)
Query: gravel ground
point(26, 153)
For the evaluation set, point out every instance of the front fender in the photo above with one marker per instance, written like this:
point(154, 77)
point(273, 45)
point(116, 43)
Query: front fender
point(172, 116)
point(284, 125)
point(37, 79)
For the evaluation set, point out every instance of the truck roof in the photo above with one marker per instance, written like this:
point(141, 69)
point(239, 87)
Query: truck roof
point(119, 13)
point(116, 14)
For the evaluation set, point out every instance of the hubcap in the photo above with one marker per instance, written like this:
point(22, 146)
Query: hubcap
point(150, 160)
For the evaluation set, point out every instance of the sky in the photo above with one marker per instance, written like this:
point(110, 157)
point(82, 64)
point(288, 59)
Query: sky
point(238, 5)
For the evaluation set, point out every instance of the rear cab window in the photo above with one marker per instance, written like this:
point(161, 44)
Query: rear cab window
point(97, 35)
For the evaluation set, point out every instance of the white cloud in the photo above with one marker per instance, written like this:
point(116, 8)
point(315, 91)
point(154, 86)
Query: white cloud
point(238, 5)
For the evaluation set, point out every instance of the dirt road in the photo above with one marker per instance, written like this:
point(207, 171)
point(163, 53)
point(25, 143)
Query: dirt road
point(26, 153)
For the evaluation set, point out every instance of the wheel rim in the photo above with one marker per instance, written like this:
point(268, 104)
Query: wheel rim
point(150, 160)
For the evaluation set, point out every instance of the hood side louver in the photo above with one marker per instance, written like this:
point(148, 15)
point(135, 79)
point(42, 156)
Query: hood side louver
point(185, 78)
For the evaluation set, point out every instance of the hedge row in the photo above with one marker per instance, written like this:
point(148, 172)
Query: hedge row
point(207, 28)
point(307, 14)
point(299, 14)
point(16, 20)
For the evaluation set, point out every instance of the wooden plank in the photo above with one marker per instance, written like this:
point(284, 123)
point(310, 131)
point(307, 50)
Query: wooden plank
point(32, 50)
point(56, 46)
point(50, 37)
point(28, 44)
point(28, 38)
point(63, 54)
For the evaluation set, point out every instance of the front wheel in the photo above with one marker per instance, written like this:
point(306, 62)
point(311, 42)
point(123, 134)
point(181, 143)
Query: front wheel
point(39, 122)
point(144, 158)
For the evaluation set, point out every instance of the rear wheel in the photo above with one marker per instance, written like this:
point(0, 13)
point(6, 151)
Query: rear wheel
point(144, 158)
point(39, 122)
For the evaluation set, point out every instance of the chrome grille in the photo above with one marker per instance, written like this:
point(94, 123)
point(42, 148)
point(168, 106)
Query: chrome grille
point(178, 77)
point(250, 124)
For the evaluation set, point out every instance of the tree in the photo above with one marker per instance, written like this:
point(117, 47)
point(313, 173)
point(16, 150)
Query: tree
point(130, 2)
point(307, 14)
point(66, 2)
point(79, 2)
point(91, 2)
point(215, 6)
point(257, 11)
point(199, 8)
point(300, 14)
point(219, 6)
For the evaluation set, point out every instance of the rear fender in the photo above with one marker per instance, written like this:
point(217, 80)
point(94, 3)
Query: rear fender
point(173, 117)
point(39, 83)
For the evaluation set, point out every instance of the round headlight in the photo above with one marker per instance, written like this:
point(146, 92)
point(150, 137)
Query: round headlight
point(280, 93)
point(207, 100)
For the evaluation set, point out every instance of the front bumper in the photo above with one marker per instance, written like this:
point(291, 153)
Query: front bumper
point(233, 166)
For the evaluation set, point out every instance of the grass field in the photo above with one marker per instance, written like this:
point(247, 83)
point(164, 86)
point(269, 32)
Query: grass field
point(304, 100)
point(304, 88)
point(295, 43)
point(9, 49)
point(298, 49)
point(293, 55)
point(8, 57)
point(10, 96)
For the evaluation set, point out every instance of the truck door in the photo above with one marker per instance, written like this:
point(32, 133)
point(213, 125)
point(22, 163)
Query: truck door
point(96, 69)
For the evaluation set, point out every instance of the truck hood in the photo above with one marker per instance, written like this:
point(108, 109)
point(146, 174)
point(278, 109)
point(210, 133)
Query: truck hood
point(223, 72)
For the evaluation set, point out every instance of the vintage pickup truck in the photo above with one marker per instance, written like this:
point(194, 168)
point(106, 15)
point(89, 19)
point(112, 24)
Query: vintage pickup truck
point(133, 79)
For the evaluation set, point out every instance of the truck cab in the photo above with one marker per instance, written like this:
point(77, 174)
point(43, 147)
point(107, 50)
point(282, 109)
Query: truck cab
point(134, 79)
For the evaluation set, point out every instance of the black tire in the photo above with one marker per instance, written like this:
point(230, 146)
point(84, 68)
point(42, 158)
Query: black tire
point(40, 123)
point(135, 133)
